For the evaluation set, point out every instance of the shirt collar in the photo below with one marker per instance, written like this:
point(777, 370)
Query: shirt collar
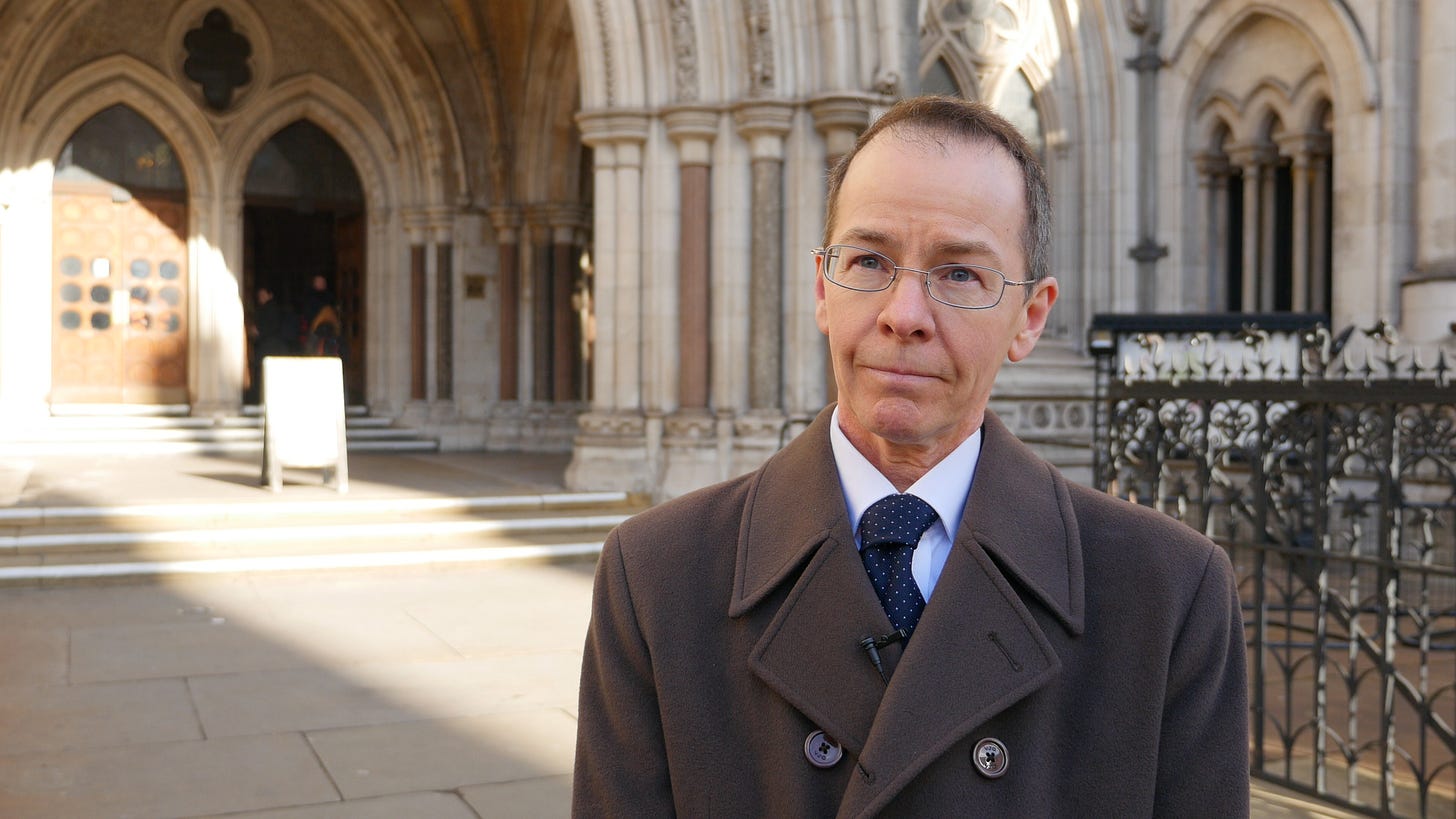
point(945, 487)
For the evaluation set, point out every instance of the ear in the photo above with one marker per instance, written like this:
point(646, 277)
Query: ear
point(1034, 315)
point(821, 312)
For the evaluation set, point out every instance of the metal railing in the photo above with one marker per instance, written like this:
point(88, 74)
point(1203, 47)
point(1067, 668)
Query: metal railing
point(1326, 465)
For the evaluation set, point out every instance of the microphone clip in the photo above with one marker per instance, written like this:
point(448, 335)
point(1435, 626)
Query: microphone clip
point(872, 646)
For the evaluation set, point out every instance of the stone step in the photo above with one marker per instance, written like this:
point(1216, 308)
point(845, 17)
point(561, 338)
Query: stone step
point(73, 430)
point(199, 447)
point(80, 544)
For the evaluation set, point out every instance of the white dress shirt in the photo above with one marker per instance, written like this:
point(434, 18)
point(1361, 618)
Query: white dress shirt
point(945, 487)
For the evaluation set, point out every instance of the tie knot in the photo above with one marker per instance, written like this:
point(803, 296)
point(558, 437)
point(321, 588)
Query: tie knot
point(895, 519)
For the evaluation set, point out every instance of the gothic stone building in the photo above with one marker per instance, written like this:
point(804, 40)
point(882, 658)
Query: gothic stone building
point(584, 225)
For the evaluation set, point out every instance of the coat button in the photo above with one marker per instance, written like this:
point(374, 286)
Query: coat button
point(990, 758)
point(822, 751)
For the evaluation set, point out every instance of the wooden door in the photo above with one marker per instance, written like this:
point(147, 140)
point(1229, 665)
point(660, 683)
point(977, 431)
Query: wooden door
point(119, 296)
point(349, 262)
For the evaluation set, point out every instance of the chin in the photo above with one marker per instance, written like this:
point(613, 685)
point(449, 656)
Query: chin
point(900, 422)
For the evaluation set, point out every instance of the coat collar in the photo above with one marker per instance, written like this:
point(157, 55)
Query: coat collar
point(977, 650)
point(1019, 511)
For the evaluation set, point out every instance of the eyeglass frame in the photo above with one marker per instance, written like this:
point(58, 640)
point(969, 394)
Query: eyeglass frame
point(823, 252)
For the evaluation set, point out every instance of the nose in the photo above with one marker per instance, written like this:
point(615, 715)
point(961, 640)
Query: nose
point(908, 307)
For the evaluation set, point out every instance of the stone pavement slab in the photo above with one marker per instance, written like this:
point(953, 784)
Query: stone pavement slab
point(313, 699)
point(544, 798)
point(431, 805)
point(36, 719)
point(155, 780)
point(33, 655)
point(153, 651)
point(447, 754)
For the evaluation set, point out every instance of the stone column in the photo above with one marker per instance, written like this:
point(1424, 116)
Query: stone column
point(565, 222)
point(1309, 155)
point(1257, 162)
point(1319, 226)
point(1268, 228)
point(1213, 176)
point(419, 385)
point(507, 221)
point(444, 316)
point(840, 119)
point(1298, 150)
point(693, 129)
point(1148, 28)
point(611, 446)
point(765, 125)
point(1428, 291)
point(540, 331)
point(217, 355)
point(689, 445)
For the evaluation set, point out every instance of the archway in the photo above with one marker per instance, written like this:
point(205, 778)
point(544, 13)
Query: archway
point(304, 218)
point(119, 265)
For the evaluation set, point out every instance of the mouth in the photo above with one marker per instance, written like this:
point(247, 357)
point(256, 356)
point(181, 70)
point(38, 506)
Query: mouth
point(901, 374)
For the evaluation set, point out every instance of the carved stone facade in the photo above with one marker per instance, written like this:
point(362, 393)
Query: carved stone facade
point(586, 223)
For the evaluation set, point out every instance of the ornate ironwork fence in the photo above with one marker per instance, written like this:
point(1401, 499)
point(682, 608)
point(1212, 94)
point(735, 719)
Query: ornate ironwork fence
point(1326, 465)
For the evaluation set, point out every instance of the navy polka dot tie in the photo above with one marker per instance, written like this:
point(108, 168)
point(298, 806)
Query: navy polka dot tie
point(888, 533)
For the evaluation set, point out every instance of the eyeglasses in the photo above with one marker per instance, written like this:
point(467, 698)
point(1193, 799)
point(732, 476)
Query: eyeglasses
point(967, 286)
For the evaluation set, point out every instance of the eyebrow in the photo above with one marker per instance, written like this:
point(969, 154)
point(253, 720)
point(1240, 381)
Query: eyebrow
point(951, 248)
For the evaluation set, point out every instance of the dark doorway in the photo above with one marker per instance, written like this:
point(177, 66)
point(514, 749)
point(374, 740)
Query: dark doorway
point(303, 226)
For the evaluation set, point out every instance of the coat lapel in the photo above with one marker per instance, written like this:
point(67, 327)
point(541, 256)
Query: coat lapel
point(978, 648)
point(809, 653)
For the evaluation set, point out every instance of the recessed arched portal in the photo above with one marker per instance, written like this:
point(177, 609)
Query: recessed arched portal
point(304, 223)
point(119, 314)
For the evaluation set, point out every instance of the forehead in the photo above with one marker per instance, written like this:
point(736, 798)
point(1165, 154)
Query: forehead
point(922, 190)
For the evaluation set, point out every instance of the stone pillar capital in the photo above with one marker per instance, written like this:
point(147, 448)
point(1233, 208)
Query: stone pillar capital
point(850, 112)
point(1253, 155)
point(693, 128)
point(506, 219)
point(613, 126)
point(428, 222)
point(1212, 165)
point(564, 220)
point(841, 118)
point(1305, 148)
point(764, 124)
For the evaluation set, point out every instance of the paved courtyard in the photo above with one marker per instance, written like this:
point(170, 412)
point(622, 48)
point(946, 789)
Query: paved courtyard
point(427, 694)
point(344, 694)
point(424, 694)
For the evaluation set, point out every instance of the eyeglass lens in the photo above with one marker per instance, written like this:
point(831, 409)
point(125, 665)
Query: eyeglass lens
point(958, 284)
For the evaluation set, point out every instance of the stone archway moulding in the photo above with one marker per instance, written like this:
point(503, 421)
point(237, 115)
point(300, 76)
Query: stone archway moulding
point(87, 91)
point(1326, 31)
point(329, 107)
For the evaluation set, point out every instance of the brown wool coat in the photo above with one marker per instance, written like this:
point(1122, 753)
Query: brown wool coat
point(1099, 641)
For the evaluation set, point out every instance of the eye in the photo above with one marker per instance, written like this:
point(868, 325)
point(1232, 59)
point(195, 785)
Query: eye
point(864, 261)
point(961, 274)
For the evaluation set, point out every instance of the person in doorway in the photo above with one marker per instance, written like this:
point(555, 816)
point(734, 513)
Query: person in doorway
point(270, 332)
point(905, 612)
point(325, 331)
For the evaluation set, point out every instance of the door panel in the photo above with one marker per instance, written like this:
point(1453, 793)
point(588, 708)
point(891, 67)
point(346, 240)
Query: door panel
point(119, 332)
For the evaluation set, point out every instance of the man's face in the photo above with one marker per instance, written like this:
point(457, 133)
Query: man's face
point(914, 375)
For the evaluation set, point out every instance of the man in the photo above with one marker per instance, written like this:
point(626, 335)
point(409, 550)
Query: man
point(759, 648)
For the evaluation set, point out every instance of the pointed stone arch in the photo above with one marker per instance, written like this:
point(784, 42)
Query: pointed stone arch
point(122, 80)
point(384, 180)
point(317, 100)
point(61, 109)
point(1271, 183)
